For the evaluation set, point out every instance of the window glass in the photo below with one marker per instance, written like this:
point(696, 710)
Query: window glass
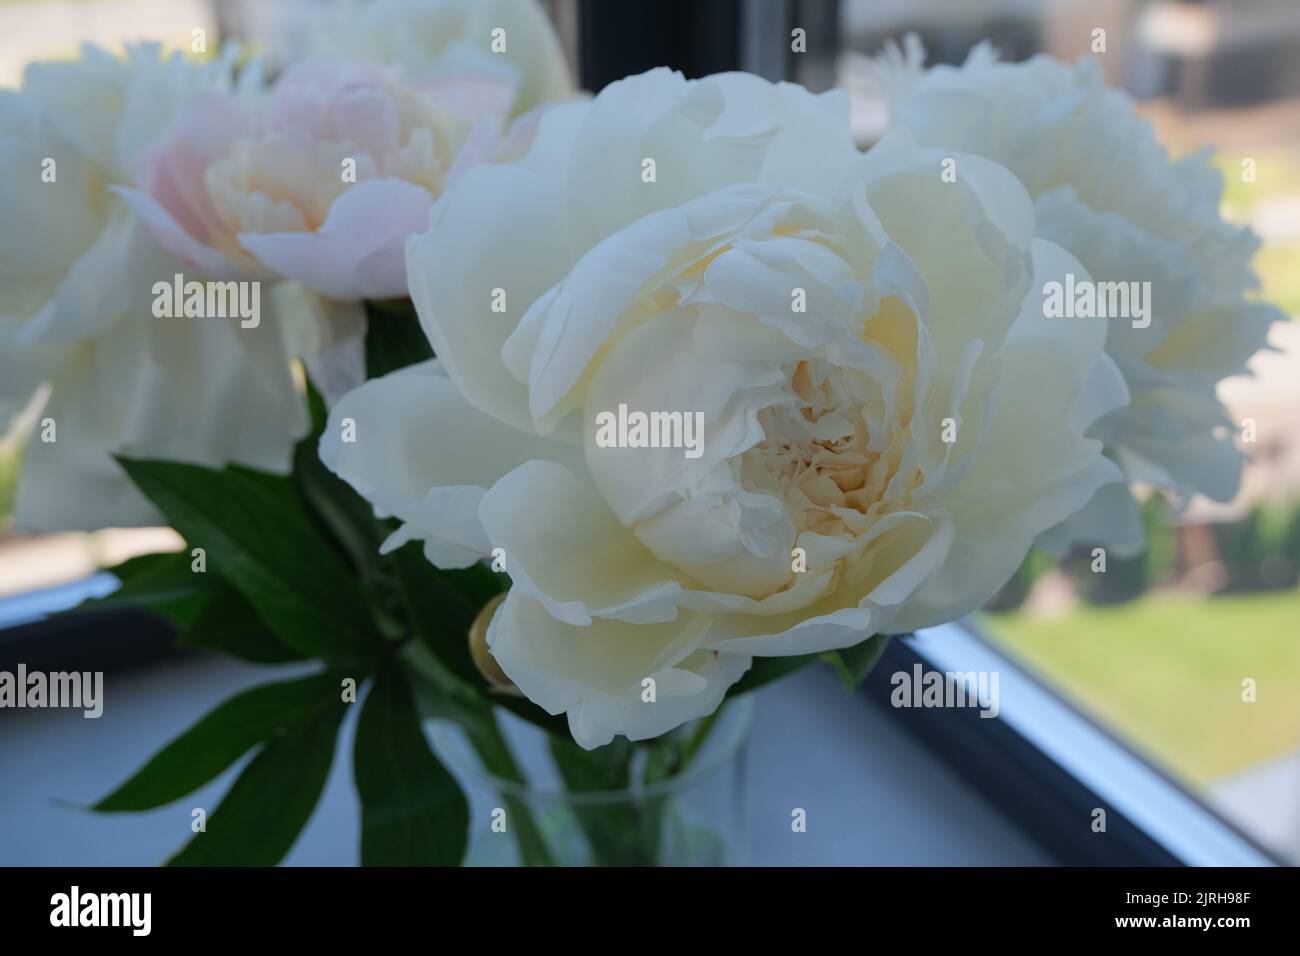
point(1191, 650)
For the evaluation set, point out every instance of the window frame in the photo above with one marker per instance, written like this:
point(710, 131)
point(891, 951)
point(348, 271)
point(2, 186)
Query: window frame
point(1048, 765)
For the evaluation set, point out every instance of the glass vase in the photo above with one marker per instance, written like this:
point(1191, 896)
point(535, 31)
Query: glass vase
point(694, 817)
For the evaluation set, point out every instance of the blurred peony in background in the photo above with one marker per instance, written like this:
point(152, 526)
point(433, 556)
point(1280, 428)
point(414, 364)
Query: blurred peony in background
point(1159, 644)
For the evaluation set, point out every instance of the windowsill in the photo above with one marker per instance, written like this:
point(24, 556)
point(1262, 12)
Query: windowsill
point(872, 795)
point(880, 786)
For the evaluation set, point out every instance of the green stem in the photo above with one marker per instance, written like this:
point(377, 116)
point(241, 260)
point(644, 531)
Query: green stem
point(444, 697)
point(498, 760)
point(614, 830)
point(698, 738)
point(631, 833)
point(663, 765)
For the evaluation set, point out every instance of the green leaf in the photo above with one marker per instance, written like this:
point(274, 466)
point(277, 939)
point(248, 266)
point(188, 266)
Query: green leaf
point(498, 760)
point(258, 536)
point(229, 624)
point(412, 810)
point(766, 669)
point(163, 584)
point(143, 566)
point(203, 608)
point(219, 739)
point(394, 337)
point(619, 833)
point(442, 605)
point(344, 514)
point(605, 768)
point(442, 695)
point(853, 664)
point(260, 818)
point(348, 521)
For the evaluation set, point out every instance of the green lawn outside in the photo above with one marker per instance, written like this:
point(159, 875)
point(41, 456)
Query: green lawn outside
point(1278, 267)
point(10, 460)
point(1166, 672)
point(1277, 175)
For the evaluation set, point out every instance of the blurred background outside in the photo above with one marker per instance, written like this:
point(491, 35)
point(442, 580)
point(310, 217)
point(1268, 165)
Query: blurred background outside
point(1156, 648)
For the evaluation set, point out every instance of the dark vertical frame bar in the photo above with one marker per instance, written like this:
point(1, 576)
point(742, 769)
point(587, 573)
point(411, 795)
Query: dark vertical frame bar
point(623, 38)
point(765, 41)
point(820, 19)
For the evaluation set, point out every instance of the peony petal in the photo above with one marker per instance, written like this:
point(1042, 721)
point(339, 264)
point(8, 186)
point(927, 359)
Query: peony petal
point(358, 252)
point(1034, 468)
point(480, 147)
point(566, 549)
point(48, 226)
point(495, 230)
point(591, 305)
point(901, 553)
point(473, 96)
point(970, 237)
point(660, 368)
point(204, 391)
point(1112, 518)
point(87, 302)
point(423, 454)
point(811, 146)
point(449, 36)
point(172, 237)
point(73, 484)
point(595, 673)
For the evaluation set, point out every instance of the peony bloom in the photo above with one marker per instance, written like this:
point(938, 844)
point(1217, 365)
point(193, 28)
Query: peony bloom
point(1105, 190)
point(509, 39)
point(77, 278)
point(322, 181)
point(887, 418)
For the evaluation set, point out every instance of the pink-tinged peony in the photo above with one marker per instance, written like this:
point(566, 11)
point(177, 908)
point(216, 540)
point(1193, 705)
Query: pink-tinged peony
point(323, 178)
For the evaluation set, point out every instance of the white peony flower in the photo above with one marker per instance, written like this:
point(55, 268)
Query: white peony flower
point(435, 39)
point(1107, 191)
point(77, 278)
point(888, 420)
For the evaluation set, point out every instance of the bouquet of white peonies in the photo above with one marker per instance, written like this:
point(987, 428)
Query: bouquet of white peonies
point(599, 411)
